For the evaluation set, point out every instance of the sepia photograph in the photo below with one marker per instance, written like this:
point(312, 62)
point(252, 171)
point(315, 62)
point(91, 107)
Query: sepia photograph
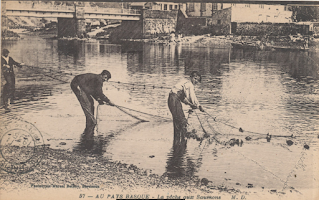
point(184, 99)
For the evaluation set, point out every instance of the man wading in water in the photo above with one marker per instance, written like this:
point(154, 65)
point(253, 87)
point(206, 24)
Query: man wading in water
point(86, 86)
point(7, 64)
point(183, 92)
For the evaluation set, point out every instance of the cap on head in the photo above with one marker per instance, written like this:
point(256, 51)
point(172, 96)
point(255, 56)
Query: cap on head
point(195, 73)
point(106, 72)
point(5, 51)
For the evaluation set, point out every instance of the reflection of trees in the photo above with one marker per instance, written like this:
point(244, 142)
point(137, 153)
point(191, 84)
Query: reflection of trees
point(305, 13)
point(205, 60)
point(174, 58)
point(152, 58)
point(297, 64)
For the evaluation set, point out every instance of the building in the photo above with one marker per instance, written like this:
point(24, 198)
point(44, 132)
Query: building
point(167, 5)
point(259, 13)
point(155, 5)
point(199, 9)
point(226, 17)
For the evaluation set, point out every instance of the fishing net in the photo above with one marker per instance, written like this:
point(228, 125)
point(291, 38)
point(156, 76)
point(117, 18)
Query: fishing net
point(204, 126)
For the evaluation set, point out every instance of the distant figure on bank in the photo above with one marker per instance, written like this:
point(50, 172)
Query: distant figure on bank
point(172, 37)
point(183, 91)
point(86, 86)
point(7, 64)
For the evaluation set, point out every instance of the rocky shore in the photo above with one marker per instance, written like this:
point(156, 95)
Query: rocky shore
point(289, 41)
point(64, 169)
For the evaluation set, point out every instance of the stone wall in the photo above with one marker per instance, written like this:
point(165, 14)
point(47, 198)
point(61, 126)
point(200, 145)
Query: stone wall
point(220, 22)
point(158, 22)
point(153, 23)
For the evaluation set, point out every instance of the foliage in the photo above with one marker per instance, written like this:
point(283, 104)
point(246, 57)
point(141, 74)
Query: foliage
point(7, 33)
point(256, 29)
point(305, 13)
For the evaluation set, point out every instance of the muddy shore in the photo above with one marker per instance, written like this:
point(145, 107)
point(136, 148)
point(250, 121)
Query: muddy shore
point(80, 172)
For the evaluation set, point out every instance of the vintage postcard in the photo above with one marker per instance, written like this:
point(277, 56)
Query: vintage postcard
point(159, 100)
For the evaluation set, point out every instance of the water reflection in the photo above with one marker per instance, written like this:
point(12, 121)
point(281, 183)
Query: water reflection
point(176, 164)
point(296, 64)
point(70, 47)
point(89, 144)
point(153, 58)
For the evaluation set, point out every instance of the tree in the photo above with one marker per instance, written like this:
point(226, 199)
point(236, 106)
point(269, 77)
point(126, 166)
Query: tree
point(305, 13)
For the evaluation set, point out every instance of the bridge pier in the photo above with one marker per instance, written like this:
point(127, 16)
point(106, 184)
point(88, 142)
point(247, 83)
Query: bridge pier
point(72, 27)
point(4, 25)
point(152, 23)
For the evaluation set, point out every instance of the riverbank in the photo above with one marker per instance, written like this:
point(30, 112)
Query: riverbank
point(78, 173)
point(208, 40)
point(80, 169)
point(294, 42)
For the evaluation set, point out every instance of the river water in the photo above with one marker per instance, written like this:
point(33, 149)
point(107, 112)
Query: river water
point(273, 92)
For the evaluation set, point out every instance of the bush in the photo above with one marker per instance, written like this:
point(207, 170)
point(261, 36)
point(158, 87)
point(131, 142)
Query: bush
point(255, 29)
point(7, 33)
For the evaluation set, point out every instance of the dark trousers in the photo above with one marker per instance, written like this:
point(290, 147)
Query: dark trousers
point(87, 105)
point(8, 89)
point(179, 120)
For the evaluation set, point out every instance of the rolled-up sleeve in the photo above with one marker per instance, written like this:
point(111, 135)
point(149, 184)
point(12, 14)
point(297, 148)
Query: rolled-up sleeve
point(189, 91)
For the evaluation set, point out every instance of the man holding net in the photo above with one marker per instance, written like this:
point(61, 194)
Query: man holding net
point(7, 64)
point(86, 86)
point(183, 91)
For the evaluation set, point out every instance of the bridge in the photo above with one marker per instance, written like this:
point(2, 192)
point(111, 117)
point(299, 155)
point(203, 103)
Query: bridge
point(56, 11)
point(71, 19)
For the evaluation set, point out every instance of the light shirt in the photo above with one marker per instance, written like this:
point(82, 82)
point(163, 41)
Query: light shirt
point(187, 87)
point(6, 58)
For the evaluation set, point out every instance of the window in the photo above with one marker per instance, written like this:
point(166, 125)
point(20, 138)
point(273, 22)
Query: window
point(247, 5)
point(170, 7)
point(165, 6)
point(285, 8)
point(214, 6)
point(221, 6)
point(202, 7)
point(175, 7)
point(261, 6)
point(191, 7)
